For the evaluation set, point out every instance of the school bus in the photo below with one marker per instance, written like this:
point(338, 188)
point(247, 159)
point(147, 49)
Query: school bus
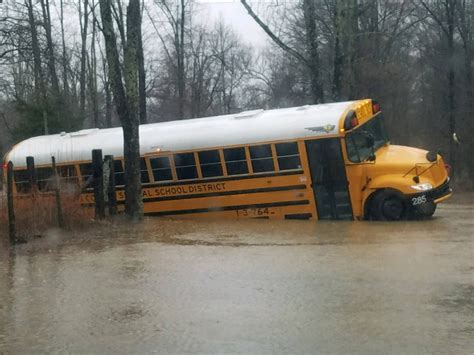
point(329, 161)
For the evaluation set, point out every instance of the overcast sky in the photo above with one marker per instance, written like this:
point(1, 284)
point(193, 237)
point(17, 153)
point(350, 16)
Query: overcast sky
point(231, 11)
point(234, 14)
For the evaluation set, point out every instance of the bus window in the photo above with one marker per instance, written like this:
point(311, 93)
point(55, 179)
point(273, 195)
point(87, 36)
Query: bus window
point(22, 181)
point(144, 171)
point(119, 173)
point(67, 174)
point(66, 171)
point(261, 157)
point(44, 177)
point(235, 161)
point(185, 166)
point(87, 175)
point(210, 162)
point(161, 169)
point(288, 156)
point(356, 141)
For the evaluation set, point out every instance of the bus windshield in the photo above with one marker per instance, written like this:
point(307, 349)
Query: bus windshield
point(358, 149)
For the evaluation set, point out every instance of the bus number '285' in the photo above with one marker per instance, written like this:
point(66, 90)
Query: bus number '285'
point(418, 200)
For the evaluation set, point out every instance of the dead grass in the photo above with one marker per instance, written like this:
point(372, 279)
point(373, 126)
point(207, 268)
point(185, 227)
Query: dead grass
point(36, 213)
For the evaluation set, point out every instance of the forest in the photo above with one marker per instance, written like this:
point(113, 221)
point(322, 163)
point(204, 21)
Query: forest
point(68, 64)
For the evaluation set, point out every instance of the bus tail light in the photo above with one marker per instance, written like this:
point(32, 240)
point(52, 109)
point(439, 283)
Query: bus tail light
point(375, 107)
point(351, 120)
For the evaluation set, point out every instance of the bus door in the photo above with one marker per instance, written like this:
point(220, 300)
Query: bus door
point(328, 174)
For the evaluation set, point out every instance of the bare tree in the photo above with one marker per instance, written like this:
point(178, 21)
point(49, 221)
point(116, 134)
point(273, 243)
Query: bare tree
point(176, 16)
point(50, 46)
point(311, 58)
point(465, 10)
point(40, 85)
point(443, 13)
point(92, 69)
point(125, 88)
point(64, 52)
point(142, 78)
point(465, 28)
point(234, 60)
point(84, 23)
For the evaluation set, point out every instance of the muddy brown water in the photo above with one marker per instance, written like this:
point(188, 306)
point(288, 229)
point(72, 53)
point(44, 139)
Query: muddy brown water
point(174, 286)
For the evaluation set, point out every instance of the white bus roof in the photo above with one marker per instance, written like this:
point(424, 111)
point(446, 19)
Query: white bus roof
point(243, 128)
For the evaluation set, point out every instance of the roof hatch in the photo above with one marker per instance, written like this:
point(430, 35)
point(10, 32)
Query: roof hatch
point(248, 114)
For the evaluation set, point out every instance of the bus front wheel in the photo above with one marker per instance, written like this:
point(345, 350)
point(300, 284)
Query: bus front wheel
point(388, 205)
point(425, 210)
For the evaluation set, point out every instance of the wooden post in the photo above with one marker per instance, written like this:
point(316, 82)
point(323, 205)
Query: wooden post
point(11, 211)
point(57, 193)
point(98, 183)
point(30, 165)
point(111, 193)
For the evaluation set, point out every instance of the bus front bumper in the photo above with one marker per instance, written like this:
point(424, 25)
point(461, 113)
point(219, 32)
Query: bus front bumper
point(441, 193)
point(424, 203)
point(436, 195)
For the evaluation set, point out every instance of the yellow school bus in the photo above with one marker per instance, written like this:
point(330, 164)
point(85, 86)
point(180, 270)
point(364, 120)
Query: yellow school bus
point(329, 161)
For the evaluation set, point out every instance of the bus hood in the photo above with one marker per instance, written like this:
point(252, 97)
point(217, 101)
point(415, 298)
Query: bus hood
point(408, 162)
point(400, 156)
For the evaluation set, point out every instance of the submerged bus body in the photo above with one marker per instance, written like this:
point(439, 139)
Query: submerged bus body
point(329, 161)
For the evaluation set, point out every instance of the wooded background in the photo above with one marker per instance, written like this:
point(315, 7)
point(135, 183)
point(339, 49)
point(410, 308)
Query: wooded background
point(414, 56)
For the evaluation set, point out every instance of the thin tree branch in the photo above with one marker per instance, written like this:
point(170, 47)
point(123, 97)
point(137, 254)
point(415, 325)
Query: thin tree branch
point(274, 37)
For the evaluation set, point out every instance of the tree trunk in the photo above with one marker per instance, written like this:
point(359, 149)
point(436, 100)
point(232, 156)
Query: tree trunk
point(179, 43)
point(82, 79)
point(108, 94)
point(40, 86)
point(312, 50)
point(141, 80)
point(466, 12)
point(93, 78)
point(50, 47)
point(133, 203)
point(64, 58)
point(126, 102)
point(108, 105)
point(450, 12)
point(66, 98)
point(338, 64)
point(352, 31)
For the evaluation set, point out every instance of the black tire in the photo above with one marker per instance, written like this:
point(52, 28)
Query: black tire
point(425, 210)
point(388, 205)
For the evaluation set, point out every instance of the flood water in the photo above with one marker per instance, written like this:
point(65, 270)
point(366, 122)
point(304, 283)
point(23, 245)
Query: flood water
point(258, 286)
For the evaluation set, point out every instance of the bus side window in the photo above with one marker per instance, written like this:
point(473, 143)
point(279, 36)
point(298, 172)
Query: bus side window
point(288, 156)
point(22, 181)
point(185, 166)
point(119, 174)
point(210, 162)
point(262, 159)
point(236, 161)
point(144, 171)
point(87, 175)
point(161, 168)
point(44, 177)
point(67, 174)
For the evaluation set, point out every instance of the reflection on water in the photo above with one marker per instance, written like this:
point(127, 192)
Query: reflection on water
point(244, 286)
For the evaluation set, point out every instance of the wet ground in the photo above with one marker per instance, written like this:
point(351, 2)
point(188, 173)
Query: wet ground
point(256, 286)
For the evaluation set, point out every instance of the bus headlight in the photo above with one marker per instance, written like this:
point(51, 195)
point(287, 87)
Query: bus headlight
point(422, 187)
